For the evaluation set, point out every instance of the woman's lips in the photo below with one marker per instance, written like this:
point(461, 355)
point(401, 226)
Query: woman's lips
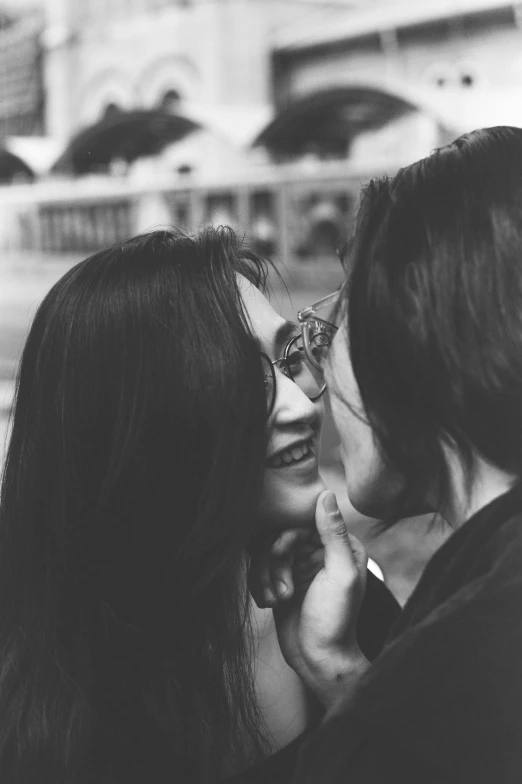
point(301, 456)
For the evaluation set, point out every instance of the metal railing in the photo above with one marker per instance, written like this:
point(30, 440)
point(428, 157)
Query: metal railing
point(287, 213)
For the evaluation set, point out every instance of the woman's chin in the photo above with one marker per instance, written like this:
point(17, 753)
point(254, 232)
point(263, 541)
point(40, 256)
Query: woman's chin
point(290, 507)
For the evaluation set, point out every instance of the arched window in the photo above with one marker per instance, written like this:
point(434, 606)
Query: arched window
point(111, 110)
point(170, 102)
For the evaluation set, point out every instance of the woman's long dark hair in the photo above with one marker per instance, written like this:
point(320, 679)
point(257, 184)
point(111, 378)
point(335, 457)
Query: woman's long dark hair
point(434, 308)
point(130, 484)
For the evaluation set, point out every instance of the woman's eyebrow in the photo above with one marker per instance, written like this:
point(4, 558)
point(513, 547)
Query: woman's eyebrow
point(284, 332)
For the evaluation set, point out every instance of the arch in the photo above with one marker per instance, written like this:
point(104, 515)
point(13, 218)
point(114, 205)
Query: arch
point(328, 119)
point(106, 88)
point(111, 110)
point(170, 101)
point(164, 75)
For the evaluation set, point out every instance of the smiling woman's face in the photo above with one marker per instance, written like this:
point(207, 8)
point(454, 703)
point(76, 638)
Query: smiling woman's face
point(292, 482)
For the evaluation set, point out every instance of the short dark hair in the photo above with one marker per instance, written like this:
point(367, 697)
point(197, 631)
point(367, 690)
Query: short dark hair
point(129, 492)
point(434, 307)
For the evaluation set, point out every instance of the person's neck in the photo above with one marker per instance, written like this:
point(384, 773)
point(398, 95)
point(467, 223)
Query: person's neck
point(487, 483)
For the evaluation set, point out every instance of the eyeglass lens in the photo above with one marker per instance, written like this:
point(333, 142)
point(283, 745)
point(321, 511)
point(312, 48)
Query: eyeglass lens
point(319, 323)
point(296, 365)
point(269, 379)
point(308, 377)
point(318, 336)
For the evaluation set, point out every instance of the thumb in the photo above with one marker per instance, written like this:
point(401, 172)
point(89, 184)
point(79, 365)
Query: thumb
point(340, 562)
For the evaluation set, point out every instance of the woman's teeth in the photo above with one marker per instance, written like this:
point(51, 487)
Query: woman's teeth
point(293, 455)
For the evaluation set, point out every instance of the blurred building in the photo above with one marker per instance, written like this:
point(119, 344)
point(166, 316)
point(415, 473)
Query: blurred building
point(393, 77)
point(264, 114)
point(202, 60)
point(21, 83)
point(21, 86)
point(308, 79)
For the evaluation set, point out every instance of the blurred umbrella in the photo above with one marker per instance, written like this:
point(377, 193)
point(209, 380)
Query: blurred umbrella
point(13, 168)
point(326, 122)
point(123, 135)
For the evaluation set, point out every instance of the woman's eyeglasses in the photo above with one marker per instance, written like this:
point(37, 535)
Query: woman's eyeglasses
point(295, 365)
point(305, 355)
point(318, 328)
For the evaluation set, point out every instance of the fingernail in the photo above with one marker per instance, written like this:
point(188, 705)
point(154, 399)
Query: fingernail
point(330, 504)
point(281, 588)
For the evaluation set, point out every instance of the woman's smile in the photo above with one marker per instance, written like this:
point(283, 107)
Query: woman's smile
point(292, 482)
point(299, 455)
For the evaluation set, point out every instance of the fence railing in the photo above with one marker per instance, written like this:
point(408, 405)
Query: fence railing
point(284, 212)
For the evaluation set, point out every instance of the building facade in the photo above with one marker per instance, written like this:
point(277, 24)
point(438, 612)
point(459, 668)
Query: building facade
point(321, 93)
point(206, 55)
point(456, 64)
point(385, 77)
point(21, 74)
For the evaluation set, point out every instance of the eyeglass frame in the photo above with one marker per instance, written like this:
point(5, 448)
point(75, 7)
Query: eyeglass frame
point(282, 364)
point(304, 315)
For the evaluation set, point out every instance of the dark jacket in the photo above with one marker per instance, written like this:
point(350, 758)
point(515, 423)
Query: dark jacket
point(379, 611)
point(443, 702)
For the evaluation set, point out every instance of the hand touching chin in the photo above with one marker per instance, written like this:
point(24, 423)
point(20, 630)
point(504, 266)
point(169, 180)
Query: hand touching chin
point(315, 583)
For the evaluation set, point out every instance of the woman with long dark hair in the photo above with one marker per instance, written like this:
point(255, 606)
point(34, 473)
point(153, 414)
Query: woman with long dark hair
point(120, 607)
point(425, 382)
point(164, 416)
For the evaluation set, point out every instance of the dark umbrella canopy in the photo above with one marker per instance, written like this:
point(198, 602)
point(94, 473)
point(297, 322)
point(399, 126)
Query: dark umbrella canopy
point(327, 121)
point(12, 168)
point(125, 135)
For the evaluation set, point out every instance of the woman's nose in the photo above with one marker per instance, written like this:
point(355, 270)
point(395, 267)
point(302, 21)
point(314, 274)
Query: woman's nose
point(292, 404)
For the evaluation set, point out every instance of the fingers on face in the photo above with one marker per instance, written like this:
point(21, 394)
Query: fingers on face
point(359, 551)
point(308, 563)
point(294, 555)
point(281, 563)
point(282, 581)
point(329, 520)
point(284, 544)
point(338, 532)
point(298, 557)
point(271, 571)
point(259, 583)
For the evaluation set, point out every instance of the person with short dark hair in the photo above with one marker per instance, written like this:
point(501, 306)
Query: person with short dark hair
point(425, 383)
